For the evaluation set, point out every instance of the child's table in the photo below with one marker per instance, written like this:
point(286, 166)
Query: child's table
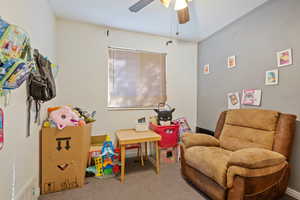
point(130, 136)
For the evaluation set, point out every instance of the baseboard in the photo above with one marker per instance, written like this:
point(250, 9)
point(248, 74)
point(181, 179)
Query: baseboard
point(27, 191)
point(293, 193)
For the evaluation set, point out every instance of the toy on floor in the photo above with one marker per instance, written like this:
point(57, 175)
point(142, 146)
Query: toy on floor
point(108, 149)
point(99, 166)
point(108, 170)
point(116, 169)
point(91, 171)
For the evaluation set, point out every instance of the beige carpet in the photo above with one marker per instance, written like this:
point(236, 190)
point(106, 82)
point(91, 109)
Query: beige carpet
point(141, 183)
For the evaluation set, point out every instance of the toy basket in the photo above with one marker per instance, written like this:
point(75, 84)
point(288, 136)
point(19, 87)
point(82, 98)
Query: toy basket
point(169, 134)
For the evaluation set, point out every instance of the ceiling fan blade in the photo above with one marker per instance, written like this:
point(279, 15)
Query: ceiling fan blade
point(166, 3)
point(183, 15)
point(140, 5)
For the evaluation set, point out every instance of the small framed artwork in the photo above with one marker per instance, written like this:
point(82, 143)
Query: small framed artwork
point(233, 100)
point(206, 69)
point(271, 77)
point(284, 58)
point(231, 62)
point(251, 97)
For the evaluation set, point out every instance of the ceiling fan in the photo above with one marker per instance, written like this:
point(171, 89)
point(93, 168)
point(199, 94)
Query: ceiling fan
point(181, 6)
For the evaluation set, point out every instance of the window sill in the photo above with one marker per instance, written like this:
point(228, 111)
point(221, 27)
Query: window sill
point(129, 109)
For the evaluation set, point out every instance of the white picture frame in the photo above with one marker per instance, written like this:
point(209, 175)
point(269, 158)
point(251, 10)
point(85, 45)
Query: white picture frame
point(206, 69)
point(233, 100)
point(285, 58)
point(272, 77)
point(251, 97)
point(231, 62)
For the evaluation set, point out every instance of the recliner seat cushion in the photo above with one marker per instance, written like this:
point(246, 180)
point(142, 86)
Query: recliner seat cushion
point(211, 161)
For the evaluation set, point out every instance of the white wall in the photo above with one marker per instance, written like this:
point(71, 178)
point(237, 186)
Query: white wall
point(82, 53)
point(36, 17)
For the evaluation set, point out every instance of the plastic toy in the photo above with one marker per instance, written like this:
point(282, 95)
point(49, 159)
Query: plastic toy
point(81, 123)
point(108, 150)
point(117, 155)
point(99, 166)
point(116, 169)
point(46, 124)
point(53, 108)
point(64, 117)
point(108, 170)
point(88, 117)
point(107, 161)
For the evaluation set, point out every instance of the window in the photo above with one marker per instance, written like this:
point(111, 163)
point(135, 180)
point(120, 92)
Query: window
point(137, 79)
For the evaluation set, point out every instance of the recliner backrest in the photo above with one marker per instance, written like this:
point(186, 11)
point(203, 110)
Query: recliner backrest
point(244, 128)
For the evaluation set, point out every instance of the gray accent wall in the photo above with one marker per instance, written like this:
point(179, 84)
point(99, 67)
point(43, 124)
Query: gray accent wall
point(254, 40)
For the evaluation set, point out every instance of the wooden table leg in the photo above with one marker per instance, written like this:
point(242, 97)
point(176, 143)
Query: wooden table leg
point(142, 156)
point(157, 157)
point(123, 155)
point(146, 151)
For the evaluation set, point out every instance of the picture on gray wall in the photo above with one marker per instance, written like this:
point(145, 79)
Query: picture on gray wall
point(284, 58)
point(251, 97)
point(206, 69)
point(233, 100)
point(271, 77)
point(231, 62)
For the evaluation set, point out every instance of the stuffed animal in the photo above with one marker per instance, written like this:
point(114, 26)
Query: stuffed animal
point(88, 118)
point(63, 117)
point(164, 117)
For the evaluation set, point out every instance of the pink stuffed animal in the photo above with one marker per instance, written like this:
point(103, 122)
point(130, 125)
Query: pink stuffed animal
point(63, 117)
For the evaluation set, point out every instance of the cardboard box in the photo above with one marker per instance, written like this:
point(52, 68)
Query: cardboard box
point(64, 156)
point(96, 146)
point(98, 140)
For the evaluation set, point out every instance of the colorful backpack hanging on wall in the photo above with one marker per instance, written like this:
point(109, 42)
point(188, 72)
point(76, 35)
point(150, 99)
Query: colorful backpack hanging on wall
point(15, 56)
point(1, 129)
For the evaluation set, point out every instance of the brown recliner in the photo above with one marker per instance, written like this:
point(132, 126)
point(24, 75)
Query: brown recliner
point(247, 159)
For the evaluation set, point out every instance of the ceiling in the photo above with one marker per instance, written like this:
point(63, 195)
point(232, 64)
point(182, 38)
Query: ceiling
point(207, 16)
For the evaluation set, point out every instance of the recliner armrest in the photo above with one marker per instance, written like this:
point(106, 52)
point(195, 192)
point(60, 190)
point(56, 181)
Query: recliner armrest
point(192, 139)
point(255, 158)
point(234, 171)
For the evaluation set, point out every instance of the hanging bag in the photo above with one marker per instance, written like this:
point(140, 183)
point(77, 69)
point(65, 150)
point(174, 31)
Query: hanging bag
point(15, 56)
point(40, 85)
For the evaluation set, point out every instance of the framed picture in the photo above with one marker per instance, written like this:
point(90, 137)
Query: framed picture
point(251, 97)
point(231, 62)
point(284, 58)
point(233, 100)
point(206, 69)
point(271, 77)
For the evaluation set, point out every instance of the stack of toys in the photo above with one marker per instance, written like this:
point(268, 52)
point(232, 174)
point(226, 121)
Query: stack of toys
point(63, 116)
point(107, 163)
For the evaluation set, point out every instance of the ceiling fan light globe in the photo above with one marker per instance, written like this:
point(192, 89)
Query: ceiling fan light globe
point(166, 3)
point(180, 4)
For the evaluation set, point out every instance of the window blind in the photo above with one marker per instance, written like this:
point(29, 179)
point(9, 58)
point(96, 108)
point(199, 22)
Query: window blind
point(137, 79)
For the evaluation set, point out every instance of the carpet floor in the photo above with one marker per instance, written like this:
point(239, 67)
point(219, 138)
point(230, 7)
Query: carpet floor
point(141, 183)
